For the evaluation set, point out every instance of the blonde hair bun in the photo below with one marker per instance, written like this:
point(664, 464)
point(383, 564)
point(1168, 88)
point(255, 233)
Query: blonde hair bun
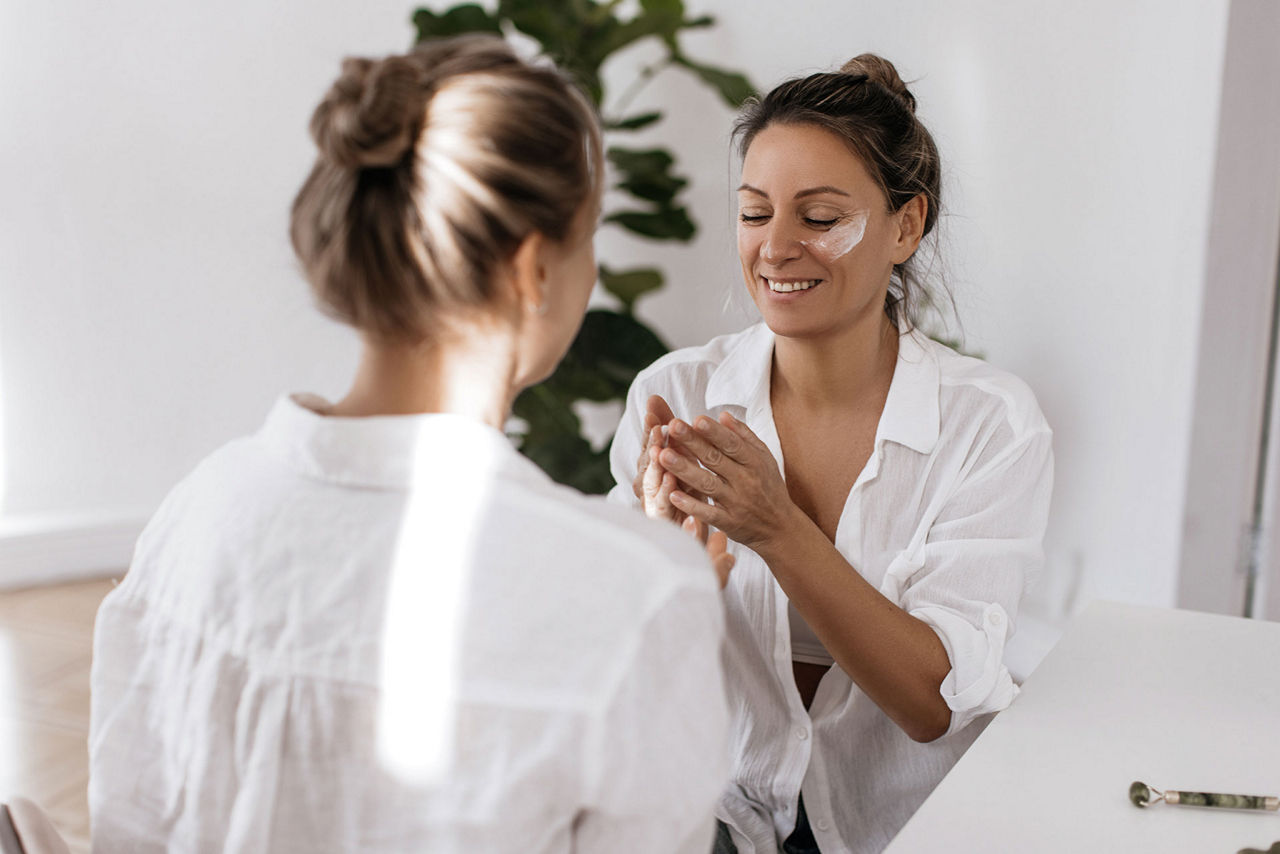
point(371, 115)
point(432, 167)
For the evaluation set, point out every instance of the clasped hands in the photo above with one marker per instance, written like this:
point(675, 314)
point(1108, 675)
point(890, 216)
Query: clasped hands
point(710, 474)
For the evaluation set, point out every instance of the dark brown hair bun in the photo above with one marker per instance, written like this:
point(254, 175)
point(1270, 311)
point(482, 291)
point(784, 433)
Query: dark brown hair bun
point(882, 71)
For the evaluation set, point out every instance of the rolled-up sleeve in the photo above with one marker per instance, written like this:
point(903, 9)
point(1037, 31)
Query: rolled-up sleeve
point(966, 577)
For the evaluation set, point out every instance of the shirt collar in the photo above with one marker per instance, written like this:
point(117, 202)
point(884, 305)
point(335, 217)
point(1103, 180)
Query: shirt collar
point(742, 378)
point(911, 411)
point(911, 414)
point(384, 451)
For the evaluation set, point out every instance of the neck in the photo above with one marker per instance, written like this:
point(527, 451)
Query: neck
point(834, 370)
point(469, 373)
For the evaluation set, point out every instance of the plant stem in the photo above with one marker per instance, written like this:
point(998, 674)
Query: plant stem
point(646, 74)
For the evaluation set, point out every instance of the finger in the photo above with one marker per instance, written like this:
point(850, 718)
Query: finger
point(663, 502)
point(705, 451)
point(690, 473)
point(723, 565)
point(741, 429)
point(721, 560)
point(692, 465)
point(696, 528)
point(701, 510)
point(658, 407)
point(652, 486)
point(727, 440)
point(654, 437)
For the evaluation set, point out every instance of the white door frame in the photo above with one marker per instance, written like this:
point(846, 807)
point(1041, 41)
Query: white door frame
point(1218, 542)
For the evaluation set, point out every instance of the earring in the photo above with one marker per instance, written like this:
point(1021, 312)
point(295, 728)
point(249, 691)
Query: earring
point(538, 308)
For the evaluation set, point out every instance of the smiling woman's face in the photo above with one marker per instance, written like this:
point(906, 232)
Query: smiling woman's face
point(816, 242)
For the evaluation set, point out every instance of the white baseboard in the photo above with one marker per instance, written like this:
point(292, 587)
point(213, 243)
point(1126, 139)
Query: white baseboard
point(51, 549)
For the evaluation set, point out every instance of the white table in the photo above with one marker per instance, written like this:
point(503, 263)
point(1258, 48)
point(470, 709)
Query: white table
point(1177, 699)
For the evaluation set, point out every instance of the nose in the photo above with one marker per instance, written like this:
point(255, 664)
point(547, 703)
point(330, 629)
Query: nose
point(781, 243)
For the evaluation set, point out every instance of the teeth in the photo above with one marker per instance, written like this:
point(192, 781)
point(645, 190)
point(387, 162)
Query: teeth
point(788, 287)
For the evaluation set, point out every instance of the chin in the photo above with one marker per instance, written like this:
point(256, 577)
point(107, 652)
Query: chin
point(796, 327)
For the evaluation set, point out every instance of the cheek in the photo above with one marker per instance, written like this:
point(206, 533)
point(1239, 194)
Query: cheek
point(748, 242)
point(839, 241)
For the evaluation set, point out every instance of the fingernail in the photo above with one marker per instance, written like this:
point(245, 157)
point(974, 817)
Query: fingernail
point(678, 427)
point(703, 424)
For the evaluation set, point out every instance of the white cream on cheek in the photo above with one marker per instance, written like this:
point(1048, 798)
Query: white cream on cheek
point(839, 240)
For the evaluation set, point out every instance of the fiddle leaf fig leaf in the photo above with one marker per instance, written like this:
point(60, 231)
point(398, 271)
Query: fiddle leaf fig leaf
point(669, 223)
point(667, 16)
point(617, 346)
point(654, 161)
point(733, 87)
point(647, 174)
point(463, 18)
point(610, 349)
point(544, 412)
point(547, 21)
point(629, 285)
point(562, 453)
point(634, 122)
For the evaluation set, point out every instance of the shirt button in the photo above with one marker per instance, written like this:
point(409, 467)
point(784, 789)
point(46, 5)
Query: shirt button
point(823, 824)
point(802, 733)
point(995, 619)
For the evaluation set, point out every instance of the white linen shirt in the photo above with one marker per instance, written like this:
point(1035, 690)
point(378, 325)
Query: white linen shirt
point(946, 520)
point(397, 634)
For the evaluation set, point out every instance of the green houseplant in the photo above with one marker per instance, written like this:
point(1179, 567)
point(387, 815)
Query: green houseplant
point(613, 345)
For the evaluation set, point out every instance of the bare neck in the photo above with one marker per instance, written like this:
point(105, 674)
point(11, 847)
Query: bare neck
point(471, 374)
point(835, 371)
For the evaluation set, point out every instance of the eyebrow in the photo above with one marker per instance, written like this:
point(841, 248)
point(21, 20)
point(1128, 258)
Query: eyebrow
point(812, 191)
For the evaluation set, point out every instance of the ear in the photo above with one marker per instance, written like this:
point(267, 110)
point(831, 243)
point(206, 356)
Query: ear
point(910, 218)
point(529, 272)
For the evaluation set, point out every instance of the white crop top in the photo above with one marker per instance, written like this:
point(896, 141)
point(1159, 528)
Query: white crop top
point(805, 646)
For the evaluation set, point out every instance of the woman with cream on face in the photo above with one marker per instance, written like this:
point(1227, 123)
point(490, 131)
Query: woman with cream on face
point(885, 496)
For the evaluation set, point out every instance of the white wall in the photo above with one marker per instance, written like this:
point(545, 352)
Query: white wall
point(149, 308)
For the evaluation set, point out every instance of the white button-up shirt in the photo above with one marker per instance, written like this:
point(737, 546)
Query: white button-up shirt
point(946, 520)
point(397, 634)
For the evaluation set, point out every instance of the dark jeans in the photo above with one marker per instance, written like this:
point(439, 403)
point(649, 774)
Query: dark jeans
point(800, 841)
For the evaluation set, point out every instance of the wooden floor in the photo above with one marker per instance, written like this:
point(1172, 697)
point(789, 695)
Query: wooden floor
point(46, 641)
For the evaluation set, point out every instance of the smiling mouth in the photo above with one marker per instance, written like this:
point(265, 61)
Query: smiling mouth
point(779, 287)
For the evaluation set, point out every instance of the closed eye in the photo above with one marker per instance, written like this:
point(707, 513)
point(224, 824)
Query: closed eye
point(753, 217)
point(821, 223)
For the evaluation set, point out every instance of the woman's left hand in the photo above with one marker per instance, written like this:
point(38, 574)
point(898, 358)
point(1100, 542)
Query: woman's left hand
point(738, 473)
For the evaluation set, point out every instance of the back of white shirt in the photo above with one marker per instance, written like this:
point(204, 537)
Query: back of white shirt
point(396, 634)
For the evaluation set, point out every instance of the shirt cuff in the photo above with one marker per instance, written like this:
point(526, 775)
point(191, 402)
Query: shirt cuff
point(979, 683)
